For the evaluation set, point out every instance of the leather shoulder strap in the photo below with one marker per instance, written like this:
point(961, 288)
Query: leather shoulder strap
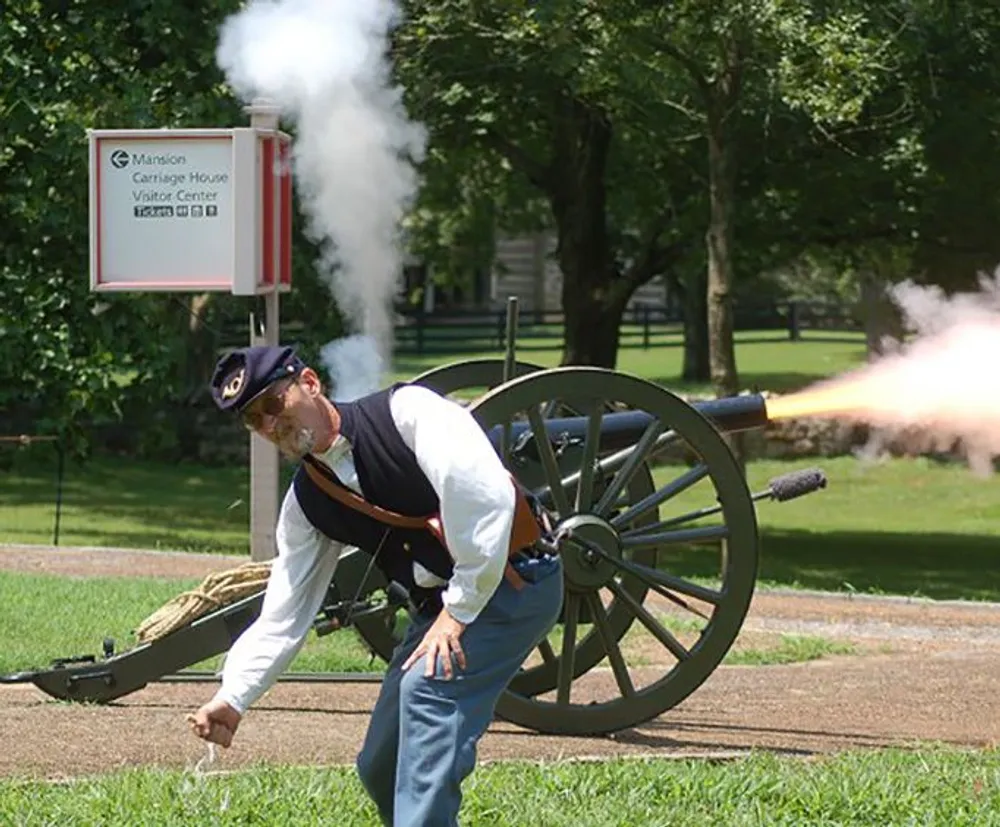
point(525, 530)
point(352, 500)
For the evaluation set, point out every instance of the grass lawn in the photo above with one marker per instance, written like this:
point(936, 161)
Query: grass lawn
point(903, 526)
point(936, 786)
point(767, 360)
point(46, 617)
point(909, 527)
point(111, 502)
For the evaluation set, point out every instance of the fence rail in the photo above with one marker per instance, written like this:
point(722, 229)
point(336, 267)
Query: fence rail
point(643, 326)
point(450, 332)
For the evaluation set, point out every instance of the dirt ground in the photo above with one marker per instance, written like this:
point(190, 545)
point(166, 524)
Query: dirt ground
point(924, 672)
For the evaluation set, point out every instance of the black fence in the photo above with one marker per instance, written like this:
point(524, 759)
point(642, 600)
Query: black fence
point(643, 326)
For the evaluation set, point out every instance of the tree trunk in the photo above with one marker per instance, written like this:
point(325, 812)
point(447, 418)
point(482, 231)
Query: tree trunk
point(200, 353)
point(882, 320)
point(592, 295)
point(696, 360)
point(722, 353)
point(195, 372)
point(592, 331)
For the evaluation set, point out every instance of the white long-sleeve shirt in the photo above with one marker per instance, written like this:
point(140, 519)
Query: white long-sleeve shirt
point(476, 508)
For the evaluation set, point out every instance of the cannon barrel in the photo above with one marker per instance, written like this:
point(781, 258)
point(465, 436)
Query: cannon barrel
point(621, 430)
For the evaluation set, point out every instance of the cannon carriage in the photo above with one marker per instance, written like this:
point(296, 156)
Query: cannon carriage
point(649, 510)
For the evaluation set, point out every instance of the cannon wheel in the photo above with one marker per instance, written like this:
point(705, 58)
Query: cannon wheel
point(612, 546)
point(608, 599)
point(471, 374)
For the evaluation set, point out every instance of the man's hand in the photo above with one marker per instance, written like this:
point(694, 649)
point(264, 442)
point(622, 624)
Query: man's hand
point(216, 722)
point(441, 639)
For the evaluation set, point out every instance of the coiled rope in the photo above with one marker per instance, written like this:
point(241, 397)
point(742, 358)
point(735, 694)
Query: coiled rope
point(215, 591)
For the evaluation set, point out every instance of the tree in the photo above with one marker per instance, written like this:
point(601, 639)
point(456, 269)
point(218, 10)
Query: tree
point(70, 357)
point(545, 90)
point(630, 120)
point(702, 143)
point(903, 189)
point(749, 67)
point(956, 82)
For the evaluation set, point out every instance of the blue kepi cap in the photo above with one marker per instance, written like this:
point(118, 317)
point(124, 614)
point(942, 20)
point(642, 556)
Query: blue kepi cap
point(245, 373)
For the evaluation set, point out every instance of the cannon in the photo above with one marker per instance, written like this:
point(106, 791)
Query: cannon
point(648, 507)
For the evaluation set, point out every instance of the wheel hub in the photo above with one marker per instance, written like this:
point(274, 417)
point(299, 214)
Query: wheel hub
point(586, 544)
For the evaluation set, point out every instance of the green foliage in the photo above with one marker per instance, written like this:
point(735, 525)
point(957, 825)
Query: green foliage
point(955, 76)
point(832, 64)
point(497, 85)
point(604, 113)
point(69, 67)
point(71, 358)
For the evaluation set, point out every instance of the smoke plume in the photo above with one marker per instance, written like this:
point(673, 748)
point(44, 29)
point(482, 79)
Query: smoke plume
point(941, 387)
point(324, 63)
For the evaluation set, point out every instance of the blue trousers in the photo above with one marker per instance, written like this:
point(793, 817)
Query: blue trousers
point(421, 741)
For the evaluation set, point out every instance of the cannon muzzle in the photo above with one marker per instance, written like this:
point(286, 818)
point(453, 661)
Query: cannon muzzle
point(735, 413)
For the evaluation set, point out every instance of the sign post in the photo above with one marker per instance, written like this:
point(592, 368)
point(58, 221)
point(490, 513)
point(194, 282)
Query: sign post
point(197, 210)
point(264, 459)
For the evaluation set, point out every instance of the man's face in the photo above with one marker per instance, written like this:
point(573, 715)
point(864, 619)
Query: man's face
point(285, 414)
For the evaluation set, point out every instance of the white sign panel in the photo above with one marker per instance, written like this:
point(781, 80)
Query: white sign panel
point(162, 210)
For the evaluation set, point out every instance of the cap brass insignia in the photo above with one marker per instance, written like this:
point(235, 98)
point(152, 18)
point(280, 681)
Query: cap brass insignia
point(234, 385)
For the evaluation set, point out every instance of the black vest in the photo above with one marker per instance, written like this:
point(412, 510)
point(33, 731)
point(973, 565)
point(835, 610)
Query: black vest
point(390, 478)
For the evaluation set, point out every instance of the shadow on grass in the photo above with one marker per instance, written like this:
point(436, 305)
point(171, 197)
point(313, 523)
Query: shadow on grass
point(412, 366)
point(781, 382)
point(121, 502)
point(940, 566)
point(777, 337)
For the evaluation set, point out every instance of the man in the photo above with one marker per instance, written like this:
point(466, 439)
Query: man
point(480, 607)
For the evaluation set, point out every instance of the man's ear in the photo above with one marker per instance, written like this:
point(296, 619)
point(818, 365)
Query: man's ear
point(310, 380)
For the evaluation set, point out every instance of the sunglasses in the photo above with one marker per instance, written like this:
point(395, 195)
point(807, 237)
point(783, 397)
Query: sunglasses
point(271, 404)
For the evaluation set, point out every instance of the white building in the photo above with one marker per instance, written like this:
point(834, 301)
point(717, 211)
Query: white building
point(524, 267)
